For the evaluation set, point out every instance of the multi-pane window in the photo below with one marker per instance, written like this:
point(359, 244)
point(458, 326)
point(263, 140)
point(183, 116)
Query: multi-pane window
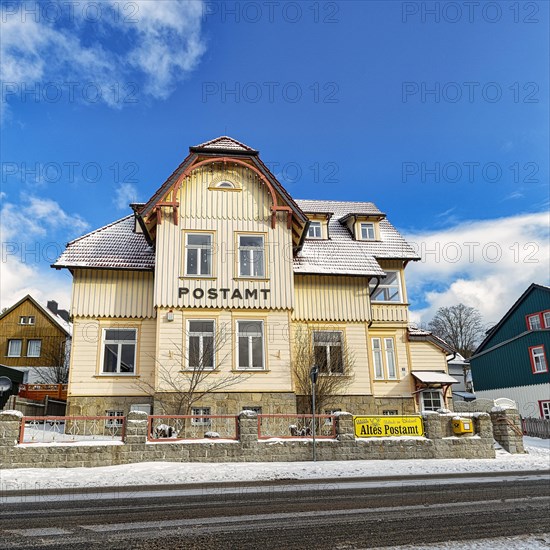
point(538, 359)
point(534, 322)
point(26, 320)
point(389, 289)
point(314, 230)
point(119, 350)
point(200, 344)
point(198, 254)
point(250, 345)
point(327, 347)
point(115, 422)
point(545, 409)
point(251, 256)
point(14, 348)
point(383, 355)
point(33, 348)
point(198, 412)
point(367, 231)
point(431, 400)
point(538, 321)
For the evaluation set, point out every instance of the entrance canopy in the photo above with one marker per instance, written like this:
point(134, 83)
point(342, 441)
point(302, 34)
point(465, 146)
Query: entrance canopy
point(428, 377)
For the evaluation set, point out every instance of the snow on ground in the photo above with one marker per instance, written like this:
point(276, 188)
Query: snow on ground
point(171, 473)
point(524, 542)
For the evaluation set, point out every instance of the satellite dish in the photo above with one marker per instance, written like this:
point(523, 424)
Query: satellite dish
point(5, 384)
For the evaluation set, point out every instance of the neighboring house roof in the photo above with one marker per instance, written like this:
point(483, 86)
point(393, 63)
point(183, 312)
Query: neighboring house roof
point(490, 333)
point(63, 325)
point(342, 254)
point(114, 246)
point(417, 335)
point(224, 143)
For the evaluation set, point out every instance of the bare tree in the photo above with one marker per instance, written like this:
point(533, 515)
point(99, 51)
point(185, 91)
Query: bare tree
point(57, 358)
point(328, 351)
point(189, 375)
point(460, 326)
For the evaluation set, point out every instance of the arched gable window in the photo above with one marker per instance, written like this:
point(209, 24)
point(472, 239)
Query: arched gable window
point(225, 185)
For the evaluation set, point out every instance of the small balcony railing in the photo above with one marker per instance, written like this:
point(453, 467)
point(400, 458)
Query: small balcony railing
point(37, 392)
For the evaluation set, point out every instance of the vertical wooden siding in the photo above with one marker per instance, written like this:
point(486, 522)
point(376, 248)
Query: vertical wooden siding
point(225, 213)
point(112, 293)
point(331, 298)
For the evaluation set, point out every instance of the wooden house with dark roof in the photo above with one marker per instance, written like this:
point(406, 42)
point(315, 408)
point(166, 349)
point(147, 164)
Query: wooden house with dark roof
point(512, 360)
point(219, 271)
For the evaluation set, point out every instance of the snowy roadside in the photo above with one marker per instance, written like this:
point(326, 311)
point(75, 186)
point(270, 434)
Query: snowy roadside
point(524, 542)
point(175, 473)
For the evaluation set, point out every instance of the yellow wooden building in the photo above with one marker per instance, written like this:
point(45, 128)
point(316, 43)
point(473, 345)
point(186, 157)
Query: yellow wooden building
point(211, 285)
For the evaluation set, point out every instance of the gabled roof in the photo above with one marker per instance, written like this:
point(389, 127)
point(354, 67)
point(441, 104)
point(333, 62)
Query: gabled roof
point(342, 254)
point(114, 246)
point(224, 143)
point(507, 315)
point(57, 320)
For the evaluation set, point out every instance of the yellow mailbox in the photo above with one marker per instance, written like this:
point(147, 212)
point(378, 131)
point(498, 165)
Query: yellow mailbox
point(463, 426)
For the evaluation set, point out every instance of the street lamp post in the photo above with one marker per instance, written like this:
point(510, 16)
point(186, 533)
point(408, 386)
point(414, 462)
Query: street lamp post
point(313, 374)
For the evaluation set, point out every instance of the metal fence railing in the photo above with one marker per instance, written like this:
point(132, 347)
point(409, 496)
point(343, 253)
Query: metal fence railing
point(71, 429)
point(536, 427)
point(192, 427)
point(289, 426)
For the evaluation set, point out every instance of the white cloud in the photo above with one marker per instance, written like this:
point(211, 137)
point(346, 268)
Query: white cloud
point(155, 47)
point(125, 194)
point(486, 264)
point(33, 234)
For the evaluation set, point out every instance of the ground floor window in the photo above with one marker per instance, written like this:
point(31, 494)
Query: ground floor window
point(327, 346)
point(119, 350)
point(432, 400)
point(200, 411)
point(545, 409)
point(115, 422)
point(250, 348)
point(200, 344)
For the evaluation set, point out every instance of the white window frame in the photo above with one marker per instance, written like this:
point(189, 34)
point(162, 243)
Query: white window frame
point(250, 366)
point(26, 320)
point(315, 230)
point(225, 184)
point(201, 336)
point(538, 321)
point(12, 341)
point(253, 251)
point(201, 250)
point(368, 227)
point(387, 287)
point(201, 411)
point(546, 318)
point(39, 347)
point(538, 358)
point(327, 346)
point(383, 350)
point(116, 423)
point(119, 343)
point(545, 409)
point(432, 391)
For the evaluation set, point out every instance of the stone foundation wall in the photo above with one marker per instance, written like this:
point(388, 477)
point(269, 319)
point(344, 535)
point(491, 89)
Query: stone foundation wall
point(248, 449)
point(362, 404)
point(507, 430)
point(96, 406)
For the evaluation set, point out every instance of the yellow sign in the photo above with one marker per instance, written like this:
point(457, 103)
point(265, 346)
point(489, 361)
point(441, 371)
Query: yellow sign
point(388, 426)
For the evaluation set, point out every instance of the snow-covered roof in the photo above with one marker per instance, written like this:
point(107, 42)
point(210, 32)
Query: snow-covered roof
point(341, 254)
point(224, 143)
point(114, 246)
point(430, 377)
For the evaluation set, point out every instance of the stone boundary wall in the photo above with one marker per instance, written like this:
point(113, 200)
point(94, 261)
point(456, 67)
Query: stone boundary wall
point(135, 448)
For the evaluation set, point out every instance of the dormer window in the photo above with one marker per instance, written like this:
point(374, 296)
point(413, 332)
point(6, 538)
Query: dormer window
point(366, 231)
point(314, 231)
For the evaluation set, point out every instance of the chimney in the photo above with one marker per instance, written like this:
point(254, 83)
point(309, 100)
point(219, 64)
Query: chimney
point(52, 306)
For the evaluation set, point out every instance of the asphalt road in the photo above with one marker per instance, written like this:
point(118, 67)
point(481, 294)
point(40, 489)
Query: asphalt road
point(343, 515)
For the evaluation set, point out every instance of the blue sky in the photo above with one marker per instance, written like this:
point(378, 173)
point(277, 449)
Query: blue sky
point(436, 111)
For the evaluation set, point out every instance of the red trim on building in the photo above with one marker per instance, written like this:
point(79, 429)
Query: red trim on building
point(540, 315)
point(532, 359)
point(541, 409)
